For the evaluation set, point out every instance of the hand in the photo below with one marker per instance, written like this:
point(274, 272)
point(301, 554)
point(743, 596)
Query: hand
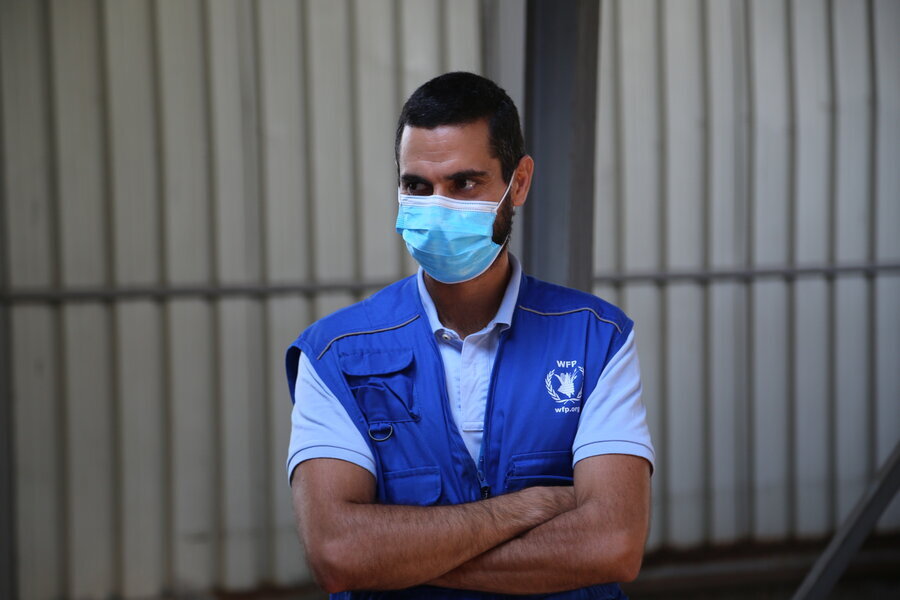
point(551, 501)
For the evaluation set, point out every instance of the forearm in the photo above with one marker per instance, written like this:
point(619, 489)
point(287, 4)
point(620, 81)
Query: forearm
point(372, 546)
point(572, 550)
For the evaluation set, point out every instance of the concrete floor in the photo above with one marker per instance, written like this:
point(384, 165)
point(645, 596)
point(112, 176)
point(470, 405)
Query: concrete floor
point(850, 590)
point(766, 573)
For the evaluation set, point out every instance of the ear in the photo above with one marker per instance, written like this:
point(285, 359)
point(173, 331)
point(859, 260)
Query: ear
point(522, 181)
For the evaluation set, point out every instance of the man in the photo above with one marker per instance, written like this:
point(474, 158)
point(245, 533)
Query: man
point(468, 431)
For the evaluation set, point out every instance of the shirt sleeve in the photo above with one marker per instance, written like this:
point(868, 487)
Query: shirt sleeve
point(613, 419)
point(320, 426)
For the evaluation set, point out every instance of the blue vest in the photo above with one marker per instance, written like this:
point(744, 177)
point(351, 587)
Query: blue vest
point(380, 358)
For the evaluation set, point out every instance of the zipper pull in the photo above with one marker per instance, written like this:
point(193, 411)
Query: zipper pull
point(485, 492)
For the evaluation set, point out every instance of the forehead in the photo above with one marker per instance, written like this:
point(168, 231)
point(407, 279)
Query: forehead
point(446, 148)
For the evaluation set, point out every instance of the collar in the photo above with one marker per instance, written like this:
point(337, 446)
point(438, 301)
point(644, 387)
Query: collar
point(504, 315)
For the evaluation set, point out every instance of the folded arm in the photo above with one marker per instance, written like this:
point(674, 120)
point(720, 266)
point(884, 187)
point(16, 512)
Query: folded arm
point(601, 540)
point(352, 543)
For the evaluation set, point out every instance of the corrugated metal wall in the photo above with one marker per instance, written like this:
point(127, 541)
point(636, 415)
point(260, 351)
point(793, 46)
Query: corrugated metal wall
point(741, 136)
point(168, 147)
point(172, 167)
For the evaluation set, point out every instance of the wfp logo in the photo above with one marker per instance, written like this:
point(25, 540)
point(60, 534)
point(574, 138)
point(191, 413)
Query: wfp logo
point(565, 385)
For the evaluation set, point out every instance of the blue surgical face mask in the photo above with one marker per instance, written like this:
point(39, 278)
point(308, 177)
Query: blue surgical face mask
point(451, 239)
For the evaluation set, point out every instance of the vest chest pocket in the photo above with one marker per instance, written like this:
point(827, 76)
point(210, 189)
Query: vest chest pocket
point(539, 468)
point(419, 486)
point(382, 383)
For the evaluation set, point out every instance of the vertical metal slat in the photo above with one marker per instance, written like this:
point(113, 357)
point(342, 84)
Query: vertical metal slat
point(8, 566)
point(561, 86)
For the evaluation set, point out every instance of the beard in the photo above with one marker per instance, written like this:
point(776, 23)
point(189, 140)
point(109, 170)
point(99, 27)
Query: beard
point(503, 223)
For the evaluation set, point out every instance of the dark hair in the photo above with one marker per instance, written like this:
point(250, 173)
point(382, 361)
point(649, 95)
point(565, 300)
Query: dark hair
point(460, 98)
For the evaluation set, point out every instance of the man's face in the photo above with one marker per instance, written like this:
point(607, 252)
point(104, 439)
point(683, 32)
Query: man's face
point(455, 161)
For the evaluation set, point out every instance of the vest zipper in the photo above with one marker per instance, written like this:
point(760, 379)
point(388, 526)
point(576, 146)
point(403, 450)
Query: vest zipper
point(485, 488)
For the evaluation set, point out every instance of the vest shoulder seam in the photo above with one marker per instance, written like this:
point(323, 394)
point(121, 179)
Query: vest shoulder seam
point(574, 310)
point(368, 331)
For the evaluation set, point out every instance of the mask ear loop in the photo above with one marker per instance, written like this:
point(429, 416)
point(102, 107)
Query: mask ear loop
point(497, 209)
point(506, 193)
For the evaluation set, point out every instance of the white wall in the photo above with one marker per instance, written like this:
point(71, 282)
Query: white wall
point(740, 135)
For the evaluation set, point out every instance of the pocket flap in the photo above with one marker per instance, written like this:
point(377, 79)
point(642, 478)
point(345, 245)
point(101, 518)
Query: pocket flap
point(539, 468)
point(376, 362)
point(420, 486)
point(557, 462)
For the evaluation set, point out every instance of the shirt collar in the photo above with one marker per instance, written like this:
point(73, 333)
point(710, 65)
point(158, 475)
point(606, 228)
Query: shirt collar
point(504, 315)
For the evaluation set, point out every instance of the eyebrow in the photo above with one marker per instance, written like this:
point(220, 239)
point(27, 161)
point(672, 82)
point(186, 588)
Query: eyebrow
point(464, 174)
point(408, 178)
point(467, 174)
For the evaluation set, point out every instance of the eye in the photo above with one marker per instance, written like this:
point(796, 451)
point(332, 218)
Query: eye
point(416, 188)
point(466, 185)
